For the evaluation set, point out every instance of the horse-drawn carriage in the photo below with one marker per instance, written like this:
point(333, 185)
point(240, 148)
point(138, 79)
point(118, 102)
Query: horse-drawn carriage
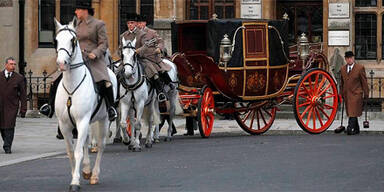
point(242, 67)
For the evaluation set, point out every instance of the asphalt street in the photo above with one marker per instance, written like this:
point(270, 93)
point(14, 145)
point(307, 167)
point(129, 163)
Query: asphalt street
point(228, 161)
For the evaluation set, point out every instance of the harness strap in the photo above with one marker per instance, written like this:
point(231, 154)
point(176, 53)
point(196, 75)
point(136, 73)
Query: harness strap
point(70, 94)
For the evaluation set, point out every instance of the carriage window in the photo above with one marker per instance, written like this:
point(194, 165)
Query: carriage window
point(46, 24)
point(146, 8)
point(366, 3)
point(365, 36)
point(204, 9)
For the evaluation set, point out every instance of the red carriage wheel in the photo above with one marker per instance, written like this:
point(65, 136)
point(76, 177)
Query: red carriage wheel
point(128, 128)
point(256, 120)
point(205, 116)
point(315, 101)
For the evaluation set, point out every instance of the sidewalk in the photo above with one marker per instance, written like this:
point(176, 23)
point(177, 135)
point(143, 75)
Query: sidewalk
point(36, 137)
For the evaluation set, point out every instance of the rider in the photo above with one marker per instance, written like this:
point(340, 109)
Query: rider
point(92, 37)
point(150, 56)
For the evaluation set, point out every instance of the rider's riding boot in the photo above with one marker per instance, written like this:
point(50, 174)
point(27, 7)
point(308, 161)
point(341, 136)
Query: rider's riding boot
point(49, 108)
point(109, 100)
point(159, 88)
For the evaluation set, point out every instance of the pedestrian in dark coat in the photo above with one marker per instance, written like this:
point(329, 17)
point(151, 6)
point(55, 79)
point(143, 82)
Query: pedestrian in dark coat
point(12, 97)
point(354, 89)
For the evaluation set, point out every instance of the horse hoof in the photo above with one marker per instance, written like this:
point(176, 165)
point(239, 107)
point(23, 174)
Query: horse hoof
point(130, 147)
point(126, 142)
point(87, 176)
point(94, 181)
point(74, 188)
point(117, 140)
point(136, 149)
point(157, 141)
point(167, 139)
point(148, 145)
point(94, 150)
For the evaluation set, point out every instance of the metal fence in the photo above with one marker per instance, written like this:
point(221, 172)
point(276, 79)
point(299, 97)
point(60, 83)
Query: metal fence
point(37, 89)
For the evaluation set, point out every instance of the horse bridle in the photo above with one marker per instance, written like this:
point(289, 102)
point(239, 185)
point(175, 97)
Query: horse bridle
point(129, 46)
point(74, 41)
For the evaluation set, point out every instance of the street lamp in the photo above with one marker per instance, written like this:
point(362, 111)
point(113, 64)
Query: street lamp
point(303, 46)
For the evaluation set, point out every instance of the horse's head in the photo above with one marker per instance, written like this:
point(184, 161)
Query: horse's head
point(65, 43)
point(128, 57)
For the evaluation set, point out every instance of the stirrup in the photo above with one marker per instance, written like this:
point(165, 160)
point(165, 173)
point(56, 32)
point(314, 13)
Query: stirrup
point(161, 97)
point(46, 110)
point(112, 114)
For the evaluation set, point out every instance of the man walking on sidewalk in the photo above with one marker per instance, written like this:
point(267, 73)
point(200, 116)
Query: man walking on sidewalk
point(353, 89)
point(12, 94)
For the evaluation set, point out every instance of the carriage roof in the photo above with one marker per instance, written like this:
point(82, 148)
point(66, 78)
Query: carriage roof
point(205, 36)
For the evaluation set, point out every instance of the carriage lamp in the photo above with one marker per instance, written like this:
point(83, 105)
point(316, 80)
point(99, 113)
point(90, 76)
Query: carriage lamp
point(225, 51)
point(303, 46)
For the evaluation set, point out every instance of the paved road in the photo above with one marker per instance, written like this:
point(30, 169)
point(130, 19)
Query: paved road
point(225, 162)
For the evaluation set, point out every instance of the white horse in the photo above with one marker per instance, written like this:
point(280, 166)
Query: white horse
point(170, 90)
point(137, 99)
point(76, 103)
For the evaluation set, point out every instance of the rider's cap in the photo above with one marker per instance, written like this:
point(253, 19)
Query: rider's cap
point(132, 17)
point(349, 54)
point(142, 18)
point(85, 4)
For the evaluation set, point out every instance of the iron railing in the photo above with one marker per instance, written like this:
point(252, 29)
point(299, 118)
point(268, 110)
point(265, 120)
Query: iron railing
point(37, 89)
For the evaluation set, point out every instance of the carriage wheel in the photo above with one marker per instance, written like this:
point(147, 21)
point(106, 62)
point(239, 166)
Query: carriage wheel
point(315, 101)
point(256, 121)
point(129, 128)
point(205, 111)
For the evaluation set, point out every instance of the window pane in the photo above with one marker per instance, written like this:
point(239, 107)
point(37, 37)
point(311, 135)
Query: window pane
point(204, 12)
point(366, 3)
point(126, 8)
point(365, 36)
point(229, 12)
point(67, 10)
point(146, 8)
point(219, 11)
point(46, 24)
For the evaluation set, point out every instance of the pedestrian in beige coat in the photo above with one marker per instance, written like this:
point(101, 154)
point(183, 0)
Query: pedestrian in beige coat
point(354, 89)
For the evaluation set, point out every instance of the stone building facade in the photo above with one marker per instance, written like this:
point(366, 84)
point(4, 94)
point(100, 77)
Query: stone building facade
point(341, 24)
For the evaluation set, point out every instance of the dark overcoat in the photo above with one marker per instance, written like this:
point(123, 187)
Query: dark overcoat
point(92, 37)
point(12, 96)
point(354, 88)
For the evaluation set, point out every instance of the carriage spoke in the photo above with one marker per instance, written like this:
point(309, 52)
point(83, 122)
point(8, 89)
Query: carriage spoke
point(320, 120)
point(329, 96)
point(322, 111)
point(258, 119)
point(304, 104)
point(306, 90)
point(253, 118)
point(314, 118)
point(328, 106)
point(262, 116)
point(246, 116)
point(322, 91)
point(305, 111)
point(316, 81)
point(309, 117)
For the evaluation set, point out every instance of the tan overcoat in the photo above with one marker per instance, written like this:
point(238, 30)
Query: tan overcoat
point(12, 97)
point(354, 88)
point(93, 39)
point(151, 60)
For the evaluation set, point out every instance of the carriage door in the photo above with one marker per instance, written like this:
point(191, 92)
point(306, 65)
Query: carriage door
point(304, 17)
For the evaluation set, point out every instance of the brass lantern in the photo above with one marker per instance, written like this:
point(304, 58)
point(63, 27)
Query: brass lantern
point(303, 46)
point(225, 51)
